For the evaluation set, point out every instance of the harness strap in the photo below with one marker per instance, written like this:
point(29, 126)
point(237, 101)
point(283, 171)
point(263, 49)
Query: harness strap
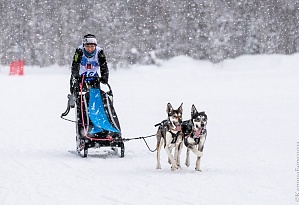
point(165, 125)
point(196, 136)
point(174, 137)
point(81, 106)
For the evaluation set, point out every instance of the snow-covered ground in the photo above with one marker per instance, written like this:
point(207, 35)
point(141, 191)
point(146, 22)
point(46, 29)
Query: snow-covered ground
point(250, 154)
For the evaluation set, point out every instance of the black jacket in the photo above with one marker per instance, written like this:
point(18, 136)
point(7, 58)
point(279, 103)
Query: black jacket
point(102, 63)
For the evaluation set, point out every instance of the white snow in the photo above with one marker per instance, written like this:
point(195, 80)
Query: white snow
point(250, 154)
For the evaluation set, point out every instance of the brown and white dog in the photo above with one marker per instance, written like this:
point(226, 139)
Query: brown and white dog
point(195, 133)
point(169, 134)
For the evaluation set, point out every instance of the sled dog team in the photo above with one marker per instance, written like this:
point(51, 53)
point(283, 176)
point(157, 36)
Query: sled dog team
point(173, 132)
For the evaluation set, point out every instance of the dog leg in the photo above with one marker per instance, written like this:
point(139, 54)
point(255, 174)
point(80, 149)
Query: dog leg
point(179, 147)
point(197, 152)
point(168, 148)
point(200, 149)
point(197, 168)
point(187, 162)
point(159, 145)
point(176, 153)
point(171, 148)
point(171, 158)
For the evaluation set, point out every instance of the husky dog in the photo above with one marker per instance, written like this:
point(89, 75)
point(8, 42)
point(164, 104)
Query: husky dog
point(169, 133)
point(195, 133)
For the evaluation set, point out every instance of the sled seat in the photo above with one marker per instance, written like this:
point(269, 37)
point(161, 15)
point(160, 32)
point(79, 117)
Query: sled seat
point(98, 115)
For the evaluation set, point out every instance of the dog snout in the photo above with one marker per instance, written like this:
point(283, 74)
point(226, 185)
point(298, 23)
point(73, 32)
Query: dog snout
point(177, 123)
point(198, 126)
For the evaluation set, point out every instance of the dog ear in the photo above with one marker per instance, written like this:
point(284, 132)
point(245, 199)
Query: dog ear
point(169, 108)
point(204, 114)
point(180, 109)
point(193, 110)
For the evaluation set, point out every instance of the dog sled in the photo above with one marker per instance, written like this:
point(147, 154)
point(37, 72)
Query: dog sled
point(97, 124)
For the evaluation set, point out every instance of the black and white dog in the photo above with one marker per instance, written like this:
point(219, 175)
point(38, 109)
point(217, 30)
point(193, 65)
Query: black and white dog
point(170, 135)
point(194, 134)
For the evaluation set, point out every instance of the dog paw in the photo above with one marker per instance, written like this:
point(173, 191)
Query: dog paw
point(174, 167)
point(158, 167)
point(187, 164)
point(179, 166)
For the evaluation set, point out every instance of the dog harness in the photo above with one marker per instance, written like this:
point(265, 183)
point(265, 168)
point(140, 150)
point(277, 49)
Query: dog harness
point(189, 131)
point(165, 125)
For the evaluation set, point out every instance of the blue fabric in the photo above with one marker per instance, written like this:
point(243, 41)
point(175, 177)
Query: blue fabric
point(97, 113)
point(84, 61)
point(91, 79)
point(89, 55)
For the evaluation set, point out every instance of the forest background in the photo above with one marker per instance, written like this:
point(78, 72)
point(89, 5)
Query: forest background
point(140, 32)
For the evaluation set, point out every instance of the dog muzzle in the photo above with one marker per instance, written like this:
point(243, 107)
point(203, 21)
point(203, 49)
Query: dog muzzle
point(177, 128)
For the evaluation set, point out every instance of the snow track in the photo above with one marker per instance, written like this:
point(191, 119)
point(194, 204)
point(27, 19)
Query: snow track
point(250, 152)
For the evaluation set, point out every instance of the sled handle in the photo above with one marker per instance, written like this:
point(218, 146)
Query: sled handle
point(66, 112)
point(108, 85)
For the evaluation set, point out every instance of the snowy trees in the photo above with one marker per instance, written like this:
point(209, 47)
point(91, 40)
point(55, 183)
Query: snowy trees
point(47, 32)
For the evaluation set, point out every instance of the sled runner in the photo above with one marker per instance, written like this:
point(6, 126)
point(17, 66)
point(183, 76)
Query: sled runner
point(97, 124)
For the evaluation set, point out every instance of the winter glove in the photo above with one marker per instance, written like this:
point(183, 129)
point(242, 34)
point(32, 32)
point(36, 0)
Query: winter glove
point(74, 84)
point(104, 80)
point(71, 100)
